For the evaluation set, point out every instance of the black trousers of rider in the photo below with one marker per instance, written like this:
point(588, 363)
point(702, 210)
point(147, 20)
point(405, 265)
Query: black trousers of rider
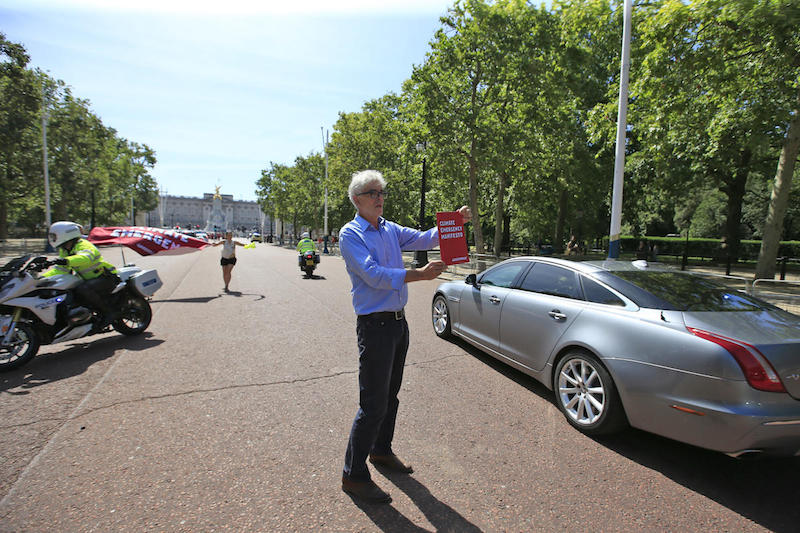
point(93, 292)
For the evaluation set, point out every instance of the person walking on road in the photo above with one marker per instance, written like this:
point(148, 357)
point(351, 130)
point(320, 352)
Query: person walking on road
point(228, 259)
point(372, 247)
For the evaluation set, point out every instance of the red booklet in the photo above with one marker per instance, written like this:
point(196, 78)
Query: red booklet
point(452, 238)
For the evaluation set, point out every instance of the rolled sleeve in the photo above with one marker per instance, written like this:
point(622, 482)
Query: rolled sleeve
point(411, 239)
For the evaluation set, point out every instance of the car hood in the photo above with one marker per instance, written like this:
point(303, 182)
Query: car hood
point(776, 334)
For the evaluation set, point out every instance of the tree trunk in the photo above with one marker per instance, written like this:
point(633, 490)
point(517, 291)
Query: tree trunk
point(735, 188)
point(473, 201)
point(3, 219)
point(778, 200)
point(558, 235)
point(499, 215)
point(4, 206)
point(507, 231)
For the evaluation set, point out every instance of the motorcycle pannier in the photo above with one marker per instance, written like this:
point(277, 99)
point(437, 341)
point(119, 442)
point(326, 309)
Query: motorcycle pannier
point(146, 282)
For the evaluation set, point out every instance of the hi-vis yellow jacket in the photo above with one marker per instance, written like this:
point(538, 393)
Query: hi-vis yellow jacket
point(306, 245)
point(84, 259)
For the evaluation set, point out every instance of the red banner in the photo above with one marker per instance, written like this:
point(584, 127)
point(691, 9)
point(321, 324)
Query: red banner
point(452, 238)
point(146, 241)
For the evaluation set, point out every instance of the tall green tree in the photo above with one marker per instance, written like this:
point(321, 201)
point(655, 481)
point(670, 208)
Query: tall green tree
point(379, 137)
point(709, 102)
point(19, 105)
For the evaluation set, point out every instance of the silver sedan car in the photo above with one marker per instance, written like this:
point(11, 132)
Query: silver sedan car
point(624, 343)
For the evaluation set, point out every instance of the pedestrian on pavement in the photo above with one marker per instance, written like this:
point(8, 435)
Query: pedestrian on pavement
point(372, 247)
point(228, 259)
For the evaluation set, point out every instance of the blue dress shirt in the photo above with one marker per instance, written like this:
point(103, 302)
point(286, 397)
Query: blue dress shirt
point(374, 261)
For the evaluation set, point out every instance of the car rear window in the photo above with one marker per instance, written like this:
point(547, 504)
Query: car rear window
point(596, 293)
point(679, 291)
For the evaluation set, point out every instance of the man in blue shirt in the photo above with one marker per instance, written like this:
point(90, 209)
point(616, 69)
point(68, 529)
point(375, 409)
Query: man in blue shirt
point(372, 250)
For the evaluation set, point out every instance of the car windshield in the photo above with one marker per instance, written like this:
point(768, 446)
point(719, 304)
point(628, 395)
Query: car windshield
point(680, 292)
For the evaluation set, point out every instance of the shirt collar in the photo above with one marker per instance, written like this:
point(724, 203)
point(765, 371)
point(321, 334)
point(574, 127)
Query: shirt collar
point(364, 224)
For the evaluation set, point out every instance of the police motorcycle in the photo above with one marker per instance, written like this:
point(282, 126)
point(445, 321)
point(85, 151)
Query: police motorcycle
point(38, 310)
point(308, 262)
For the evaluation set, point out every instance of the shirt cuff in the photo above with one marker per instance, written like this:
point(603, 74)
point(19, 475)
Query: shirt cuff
point(398, 277)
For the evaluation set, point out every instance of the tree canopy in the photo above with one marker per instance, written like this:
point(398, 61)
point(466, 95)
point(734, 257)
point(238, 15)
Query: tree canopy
point(516, 107)
point(95, 175)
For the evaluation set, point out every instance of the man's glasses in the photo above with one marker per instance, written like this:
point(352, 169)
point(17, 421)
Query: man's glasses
point(372, 193)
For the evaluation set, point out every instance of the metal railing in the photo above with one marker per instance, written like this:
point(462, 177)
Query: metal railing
point(780, 293)
point(11, 248)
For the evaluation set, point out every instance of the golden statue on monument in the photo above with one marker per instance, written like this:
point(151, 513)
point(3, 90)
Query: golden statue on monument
point(216, 192)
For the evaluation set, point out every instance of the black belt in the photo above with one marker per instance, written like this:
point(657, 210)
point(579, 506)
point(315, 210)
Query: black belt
point(387, 315)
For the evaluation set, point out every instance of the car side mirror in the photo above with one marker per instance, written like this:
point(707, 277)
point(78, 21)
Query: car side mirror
point(472, 279)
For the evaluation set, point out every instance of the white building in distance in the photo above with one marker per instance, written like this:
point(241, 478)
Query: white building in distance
point(193, 212)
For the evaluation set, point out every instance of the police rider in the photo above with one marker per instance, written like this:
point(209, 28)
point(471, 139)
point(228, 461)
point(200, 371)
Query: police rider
point(306, 245)
point(78, 255)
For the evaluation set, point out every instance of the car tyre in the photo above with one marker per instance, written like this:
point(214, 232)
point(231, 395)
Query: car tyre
point(440, 315)
point(587, 396)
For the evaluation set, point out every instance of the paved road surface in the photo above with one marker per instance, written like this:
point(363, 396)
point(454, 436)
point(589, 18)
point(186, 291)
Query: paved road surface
point(232, 412)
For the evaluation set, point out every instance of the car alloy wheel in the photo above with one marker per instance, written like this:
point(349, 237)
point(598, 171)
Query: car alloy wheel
point(581, 391)
point(441, 317)
point(587, 395)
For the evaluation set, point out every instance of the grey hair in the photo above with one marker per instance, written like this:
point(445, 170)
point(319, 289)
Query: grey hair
point(360, 181)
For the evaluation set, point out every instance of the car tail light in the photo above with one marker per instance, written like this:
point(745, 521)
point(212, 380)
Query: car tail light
point(757, 370)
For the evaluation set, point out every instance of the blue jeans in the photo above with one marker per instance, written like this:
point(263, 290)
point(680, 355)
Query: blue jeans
point(382, 347)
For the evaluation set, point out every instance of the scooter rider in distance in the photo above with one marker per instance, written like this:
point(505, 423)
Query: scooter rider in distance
point(83, 258)
point(306, 245)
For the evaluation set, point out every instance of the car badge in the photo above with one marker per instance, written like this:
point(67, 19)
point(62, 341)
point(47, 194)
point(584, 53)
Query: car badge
point(795, 377)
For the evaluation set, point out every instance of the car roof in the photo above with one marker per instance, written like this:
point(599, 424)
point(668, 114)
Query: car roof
point(609, 265)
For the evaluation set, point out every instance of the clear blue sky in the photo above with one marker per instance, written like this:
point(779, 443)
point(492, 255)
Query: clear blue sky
point(220, 89)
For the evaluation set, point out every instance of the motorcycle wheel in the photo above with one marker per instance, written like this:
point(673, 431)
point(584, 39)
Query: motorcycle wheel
point(24, 345)
point(309, 271)
point(135, 317)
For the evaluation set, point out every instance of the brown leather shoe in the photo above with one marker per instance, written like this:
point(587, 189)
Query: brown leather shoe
point(390, 462)
point(366, 490)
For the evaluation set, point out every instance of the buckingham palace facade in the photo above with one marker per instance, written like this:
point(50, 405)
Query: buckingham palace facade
point(193, 212)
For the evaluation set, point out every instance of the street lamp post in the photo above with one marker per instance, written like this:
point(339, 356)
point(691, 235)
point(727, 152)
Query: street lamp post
point(421, 256)
point(47, 219)
point(325, 230)
point(92, 222)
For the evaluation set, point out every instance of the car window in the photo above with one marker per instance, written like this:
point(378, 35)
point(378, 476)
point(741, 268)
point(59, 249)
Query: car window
point(502, 275)
point(680, 291)
point(552, 279)
point(594, 292)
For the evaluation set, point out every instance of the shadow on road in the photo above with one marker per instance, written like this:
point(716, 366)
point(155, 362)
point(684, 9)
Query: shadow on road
point(195, 300)
point(761, 489)
point(240, 294)
point(73, 361)
point(313, 276)
point(442, 516)
point(387, 518)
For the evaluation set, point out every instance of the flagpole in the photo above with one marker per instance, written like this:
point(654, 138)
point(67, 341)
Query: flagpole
point(622, 125)
point(325, 230)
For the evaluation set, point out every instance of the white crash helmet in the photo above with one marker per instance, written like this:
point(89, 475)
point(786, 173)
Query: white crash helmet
point(305, 235)
point(64, 231)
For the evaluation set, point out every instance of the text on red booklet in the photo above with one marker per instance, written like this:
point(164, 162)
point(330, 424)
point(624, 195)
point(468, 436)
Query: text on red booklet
point(452, 238)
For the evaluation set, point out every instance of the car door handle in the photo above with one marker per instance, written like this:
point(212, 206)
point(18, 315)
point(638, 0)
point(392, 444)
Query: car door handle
point(494, 299)
point(555, 314)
